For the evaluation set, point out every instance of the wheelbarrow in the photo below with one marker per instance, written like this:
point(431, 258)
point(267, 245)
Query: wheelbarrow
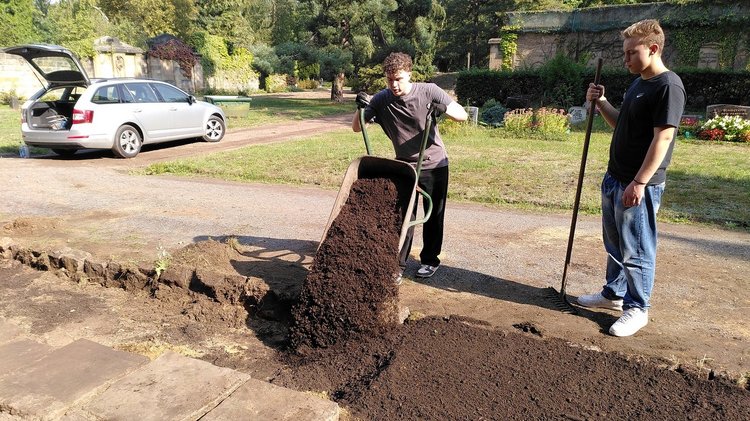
point(369, 166)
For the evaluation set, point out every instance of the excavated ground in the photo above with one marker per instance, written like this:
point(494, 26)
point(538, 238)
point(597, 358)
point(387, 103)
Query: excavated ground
point(433, 368)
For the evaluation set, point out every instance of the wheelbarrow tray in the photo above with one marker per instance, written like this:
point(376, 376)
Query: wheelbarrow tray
point(369, 166)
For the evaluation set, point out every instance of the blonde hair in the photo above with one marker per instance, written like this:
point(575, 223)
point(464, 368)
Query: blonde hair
point(648, 30)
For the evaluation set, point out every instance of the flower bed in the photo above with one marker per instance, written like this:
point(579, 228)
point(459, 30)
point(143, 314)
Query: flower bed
point(725, 128)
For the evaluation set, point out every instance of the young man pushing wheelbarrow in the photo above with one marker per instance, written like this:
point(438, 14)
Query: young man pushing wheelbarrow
point(402, 110)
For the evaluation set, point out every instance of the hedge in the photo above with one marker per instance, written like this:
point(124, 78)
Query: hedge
point(704, 87)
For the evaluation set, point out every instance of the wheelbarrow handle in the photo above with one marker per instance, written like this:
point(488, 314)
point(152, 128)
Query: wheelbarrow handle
point(363, 127)
point(425, 198)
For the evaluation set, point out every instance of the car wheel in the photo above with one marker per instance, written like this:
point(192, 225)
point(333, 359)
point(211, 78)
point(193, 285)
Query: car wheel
point(65, 152)
point(215, 129)
point(127, 142)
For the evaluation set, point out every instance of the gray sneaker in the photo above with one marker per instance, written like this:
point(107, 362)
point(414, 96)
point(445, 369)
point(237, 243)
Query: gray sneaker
point(426, 271)
point(598, 301)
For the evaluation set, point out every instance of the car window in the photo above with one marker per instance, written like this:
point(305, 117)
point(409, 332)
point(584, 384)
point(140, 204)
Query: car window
point(170, 93)
point(53, 64)
point(141, 92)
point(54, 94)
point(106, 95)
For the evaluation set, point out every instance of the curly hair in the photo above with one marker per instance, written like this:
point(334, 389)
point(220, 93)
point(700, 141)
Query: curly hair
point(648, 30)
point(396, 62)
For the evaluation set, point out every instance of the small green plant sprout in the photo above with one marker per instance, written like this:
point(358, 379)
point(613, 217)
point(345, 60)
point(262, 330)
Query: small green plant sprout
point(163, 259)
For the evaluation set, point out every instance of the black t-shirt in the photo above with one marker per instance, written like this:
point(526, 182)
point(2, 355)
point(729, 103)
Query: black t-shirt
point(647, 104)
point(403, 121)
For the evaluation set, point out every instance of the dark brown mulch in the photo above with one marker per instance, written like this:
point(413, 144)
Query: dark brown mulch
point(349, 289)
point(438, 369)
point(452, 369)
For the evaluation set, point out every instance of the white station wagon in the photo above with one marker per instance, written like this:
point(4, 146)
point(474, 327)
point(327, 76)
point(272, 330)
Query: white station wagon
point(74, 112)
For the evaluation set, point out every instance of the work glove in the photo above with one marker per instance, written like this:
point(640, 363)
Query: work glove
point(438, 109)
point(363, 100)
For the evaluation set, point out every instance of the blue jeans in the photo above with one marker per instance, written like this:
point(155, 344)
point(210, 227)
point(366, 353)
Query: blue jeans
point(629, 236)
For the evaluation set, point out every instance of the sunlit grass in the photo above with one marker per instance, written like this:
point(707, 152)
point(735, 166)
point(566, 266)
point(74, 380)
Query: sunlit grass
point(707, 182)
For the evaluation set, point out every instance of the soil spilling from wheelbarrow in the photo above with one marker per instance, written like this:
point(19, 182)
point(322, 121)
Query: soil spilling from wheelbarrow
point(350, 289)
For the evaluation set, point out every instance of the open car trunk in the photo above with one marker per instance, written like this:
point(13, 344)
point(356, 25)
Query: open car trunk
point(53, 115)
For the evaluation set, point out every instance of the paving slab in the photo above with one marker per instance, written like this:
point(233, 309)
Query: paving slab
point(21, 353)
point(47, 388)
point(172, 387)
point(8, 331)
point(259, 400)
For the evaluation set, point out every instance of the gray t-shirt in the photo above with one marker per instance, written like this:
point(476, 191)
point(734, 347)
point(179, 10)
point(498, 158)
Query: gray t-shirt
point(403, 121)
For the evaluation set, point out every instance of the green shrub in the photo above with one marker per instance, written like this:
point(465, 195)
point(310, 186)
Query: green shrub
point(519, 122)
point(276, 83)
point(547, 123)
point(308, 84)
point(563, 81)
point(7, 96)
point(493, 113)
point(551, 123)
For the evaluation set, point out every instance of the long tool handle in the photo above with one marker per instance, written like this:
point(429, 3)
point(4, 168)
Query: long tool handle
point(579, 188)
point(363, 127)
point(425, 136)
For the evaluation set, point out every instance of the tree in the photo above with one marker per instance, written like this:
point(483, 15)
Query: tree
point(470, 23)
point(17, 22)
point(75, 24)
point(152, 17)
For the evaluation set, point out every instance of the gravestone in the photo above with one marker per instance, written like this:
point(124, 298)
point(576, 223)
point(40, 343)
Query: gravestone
point(708, 56)
point(15, 104)
point(577, 115)
point(727, 110)
point(473, 113)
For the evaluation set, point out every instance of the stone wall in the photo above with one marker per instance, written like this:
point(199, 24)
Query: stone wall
point(586, 34)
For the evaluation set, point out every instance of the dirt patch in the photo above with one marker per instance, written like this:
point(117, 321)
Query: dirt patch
point(439, 369)
point(27, 225)
point(431, 368)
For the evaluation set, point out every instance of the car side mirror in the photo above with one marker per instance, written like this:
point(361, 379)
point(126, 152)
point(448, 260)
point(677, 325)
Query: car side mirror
point(191, 99)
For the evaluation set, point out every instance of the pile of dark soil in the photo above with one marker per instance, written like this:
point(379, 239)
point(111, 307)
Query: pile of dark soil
point(349, 290)
point(454, 369)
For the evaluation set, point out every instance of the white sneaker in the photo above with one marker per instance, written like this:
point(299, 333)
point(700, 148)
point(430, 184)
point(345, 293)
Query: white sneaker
point(631, 321)
point(425, 271)
point(598, 301)
point(398, 278)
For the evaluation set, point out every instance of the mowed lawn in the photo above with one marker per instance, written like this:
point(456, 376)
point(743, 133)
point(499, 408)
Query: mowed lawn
point(708, 182)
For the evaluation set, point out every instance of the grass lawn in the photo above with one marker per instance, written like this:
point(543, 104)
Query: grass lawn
point(10, 130)
point(708, 182)
point(266, 109)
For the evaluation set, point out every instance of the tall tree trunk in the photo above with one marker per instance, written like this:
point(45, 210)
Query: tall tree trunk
point(337, 88)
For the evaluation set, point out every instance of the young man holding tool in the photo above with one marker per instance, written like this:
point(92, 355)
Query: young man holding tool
point(641, 149)
point(402, 110)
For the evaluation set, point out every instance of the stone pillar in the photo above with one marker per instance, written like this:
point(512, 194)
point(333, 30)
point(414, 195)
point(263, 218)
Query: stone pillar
point(496, 54)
